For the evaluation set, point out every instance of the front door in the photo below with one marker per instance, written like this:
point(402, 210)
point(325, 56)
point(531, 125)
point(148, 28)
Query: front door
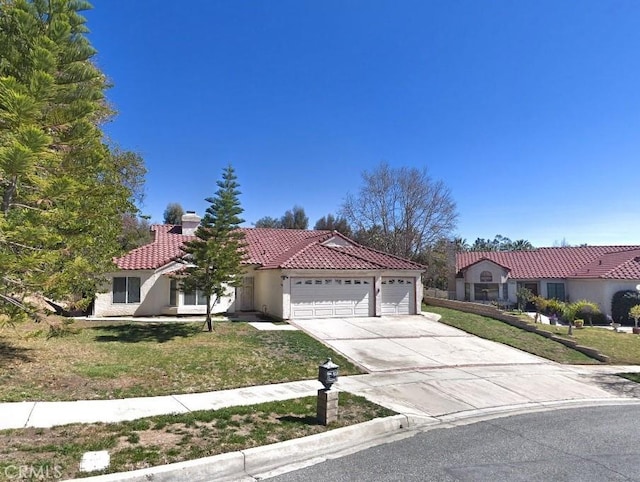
point(245, 294)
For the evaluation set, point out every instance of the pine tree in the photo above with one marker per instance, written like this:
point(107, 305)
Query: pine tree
point(63, 192)
point(215, 256)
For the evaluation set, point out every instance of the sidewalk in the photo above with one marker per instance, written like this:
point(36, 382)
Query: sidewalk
point(423, 393)
point(48, 414)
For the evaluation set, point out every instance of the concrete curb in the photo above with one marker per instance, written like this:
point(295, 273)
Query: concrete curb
point(261, 462)
point(245, 463)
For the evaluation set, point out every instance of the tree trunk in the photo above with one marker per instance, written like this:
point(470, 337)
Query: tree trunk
point(570, 328)
point(209, 324)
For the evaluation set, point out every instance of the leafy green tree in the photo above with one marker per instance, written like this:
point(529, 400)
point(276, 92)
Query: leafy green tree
point(173, 214)
point(521, 245)
point(634, 312)
point(63, 192)
point(331, 223)
point(215, 256)
point(461, 245)
point(268, 222)
point(524, 295)
point(500, 243)
point(135, 232)
point(295, 219)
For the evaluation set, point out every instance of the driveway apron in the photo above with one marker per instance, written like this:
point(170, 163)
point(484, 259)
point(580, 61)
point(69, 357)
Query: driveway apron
point(421, 367)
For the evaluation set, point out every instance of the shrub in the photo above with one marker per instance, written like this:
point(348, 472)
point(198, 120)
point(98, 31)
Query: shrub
point(634, 313)
point(621, 303)
point(586, 310)
point(554, 307)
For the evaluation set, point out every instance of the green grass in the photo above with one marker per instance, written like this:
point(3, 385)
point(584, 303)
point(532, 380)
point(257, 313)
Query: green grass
point(104, 360)
point(621, 348)
point(173, 438)
point(496, 330)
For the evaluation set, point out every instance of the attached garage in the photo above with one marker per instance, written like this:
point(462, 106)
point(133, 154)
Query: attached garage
point(331, 297)
point(398, 296)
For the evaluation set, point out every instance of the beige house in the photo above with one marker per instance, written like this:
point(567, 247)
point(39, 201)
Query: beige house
point(289, 274)
point(594, 273)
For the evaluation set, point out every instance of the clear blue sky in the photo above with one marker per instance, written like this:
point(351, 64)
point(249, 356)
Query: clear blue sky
point(529, 111)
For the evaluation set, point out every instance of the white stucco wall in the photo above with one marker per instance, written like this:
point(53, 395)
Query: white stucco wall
point(498, 273)
point(151, 290)
point(375, 275)
point(154, 296)
point(598, 291)
point(268, 292)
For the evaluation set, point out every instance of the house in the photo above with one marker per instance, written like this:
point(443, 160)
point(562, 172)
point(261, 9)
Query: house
point(594, 273)
point(289, 274)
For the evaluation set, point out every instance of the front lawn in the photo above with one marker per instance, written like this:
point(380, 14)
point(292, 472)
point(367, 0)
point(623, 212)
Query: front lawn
point(496, 330)
point(105, 360)
point(621, 348)
point(172, 438)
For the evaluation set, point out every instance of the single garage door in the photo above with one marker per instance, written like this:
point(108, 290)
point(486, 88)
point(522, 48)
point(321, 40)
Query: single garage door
point(397, 296)
point(331, 297)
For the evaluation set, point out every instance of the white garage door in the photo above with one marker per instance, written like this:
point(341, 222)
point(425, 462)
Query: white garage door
point(331, 297)
point(397, 296)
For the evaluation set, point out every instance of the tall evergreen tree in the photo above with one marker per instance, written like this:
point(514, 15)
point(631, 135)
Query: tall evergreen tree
point(215, 256)
point(63, 192)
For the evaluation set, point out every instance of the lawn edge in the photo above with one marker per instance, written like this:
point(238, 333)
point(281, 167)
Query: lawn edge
point(516, 322)
point(259, 460)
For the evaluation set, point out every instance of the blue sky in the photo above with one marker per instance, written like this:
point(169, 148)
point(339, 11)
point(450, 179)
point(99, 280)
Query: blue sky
point(529, 111)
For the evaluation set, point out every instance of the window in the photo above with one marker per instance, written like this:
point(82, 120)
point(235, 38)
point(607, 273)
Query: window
point(196, 297)
point(556, 290)
point(486, 277)
point(347, 281)
point(318, 281)
point(328, 281)
point(505, 291)
point(338, 281)
point(173, 293)
point(126, 290)
point(357, 282)
point(485, 291)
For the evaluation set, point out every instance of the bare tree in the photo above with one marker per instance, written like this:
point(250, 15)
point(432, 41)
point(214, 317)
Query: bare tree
point(400, 210)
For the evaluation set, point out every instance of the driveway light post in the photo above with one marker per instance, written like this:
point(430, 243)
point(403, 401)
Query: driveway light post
point(327, 408)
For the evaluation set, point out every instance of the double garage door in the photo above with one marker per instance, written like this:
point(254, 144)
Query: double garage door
point(346, 297)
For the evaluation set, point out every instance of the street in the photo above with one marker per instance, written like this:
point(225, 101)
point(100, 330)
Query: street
point(586, 444)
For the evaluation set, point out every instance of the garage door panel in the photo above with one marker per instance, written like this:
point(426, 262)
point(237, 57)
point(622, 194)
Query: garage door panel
point(397, 296)
point(330, 297)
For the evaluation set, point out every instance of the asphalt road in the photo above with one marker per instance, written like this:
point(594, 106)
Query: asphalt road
point(586, 444)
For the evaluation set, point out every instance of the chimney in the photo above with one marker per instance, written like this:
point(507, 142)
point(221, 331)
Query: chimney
point(451, 269)
point(190, 222)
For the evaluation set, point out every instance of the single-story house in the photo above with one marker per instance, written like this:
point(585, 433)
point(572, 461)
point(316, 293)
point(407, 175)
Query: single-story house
point(290, 274)
point(594, 273)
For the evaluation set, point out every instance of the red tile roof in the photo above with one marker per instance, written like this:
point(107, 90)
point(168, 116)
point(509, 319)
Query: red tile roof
point(609, 262)
point(271, 248)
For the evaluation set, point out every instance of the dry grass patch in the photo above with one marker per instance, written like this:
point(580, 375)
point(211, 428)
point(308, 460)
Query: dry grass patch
point(172, 438)
point(105, 360)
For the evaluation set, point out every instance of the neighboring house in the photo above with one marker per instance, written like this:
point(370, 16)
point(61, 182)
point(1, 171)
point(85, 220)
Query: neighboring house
point(289, 274)
point(594, 273)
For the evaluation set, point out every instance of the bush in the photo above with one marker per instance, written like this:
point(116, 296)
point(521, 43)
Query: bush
point(554, 307)
point(586, 310)
point(621, 303)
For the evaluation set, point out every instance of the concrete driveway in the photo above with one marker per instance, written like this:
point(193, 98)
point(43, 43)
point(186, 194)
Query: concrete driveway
point(392, 343)
point(425, 369)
